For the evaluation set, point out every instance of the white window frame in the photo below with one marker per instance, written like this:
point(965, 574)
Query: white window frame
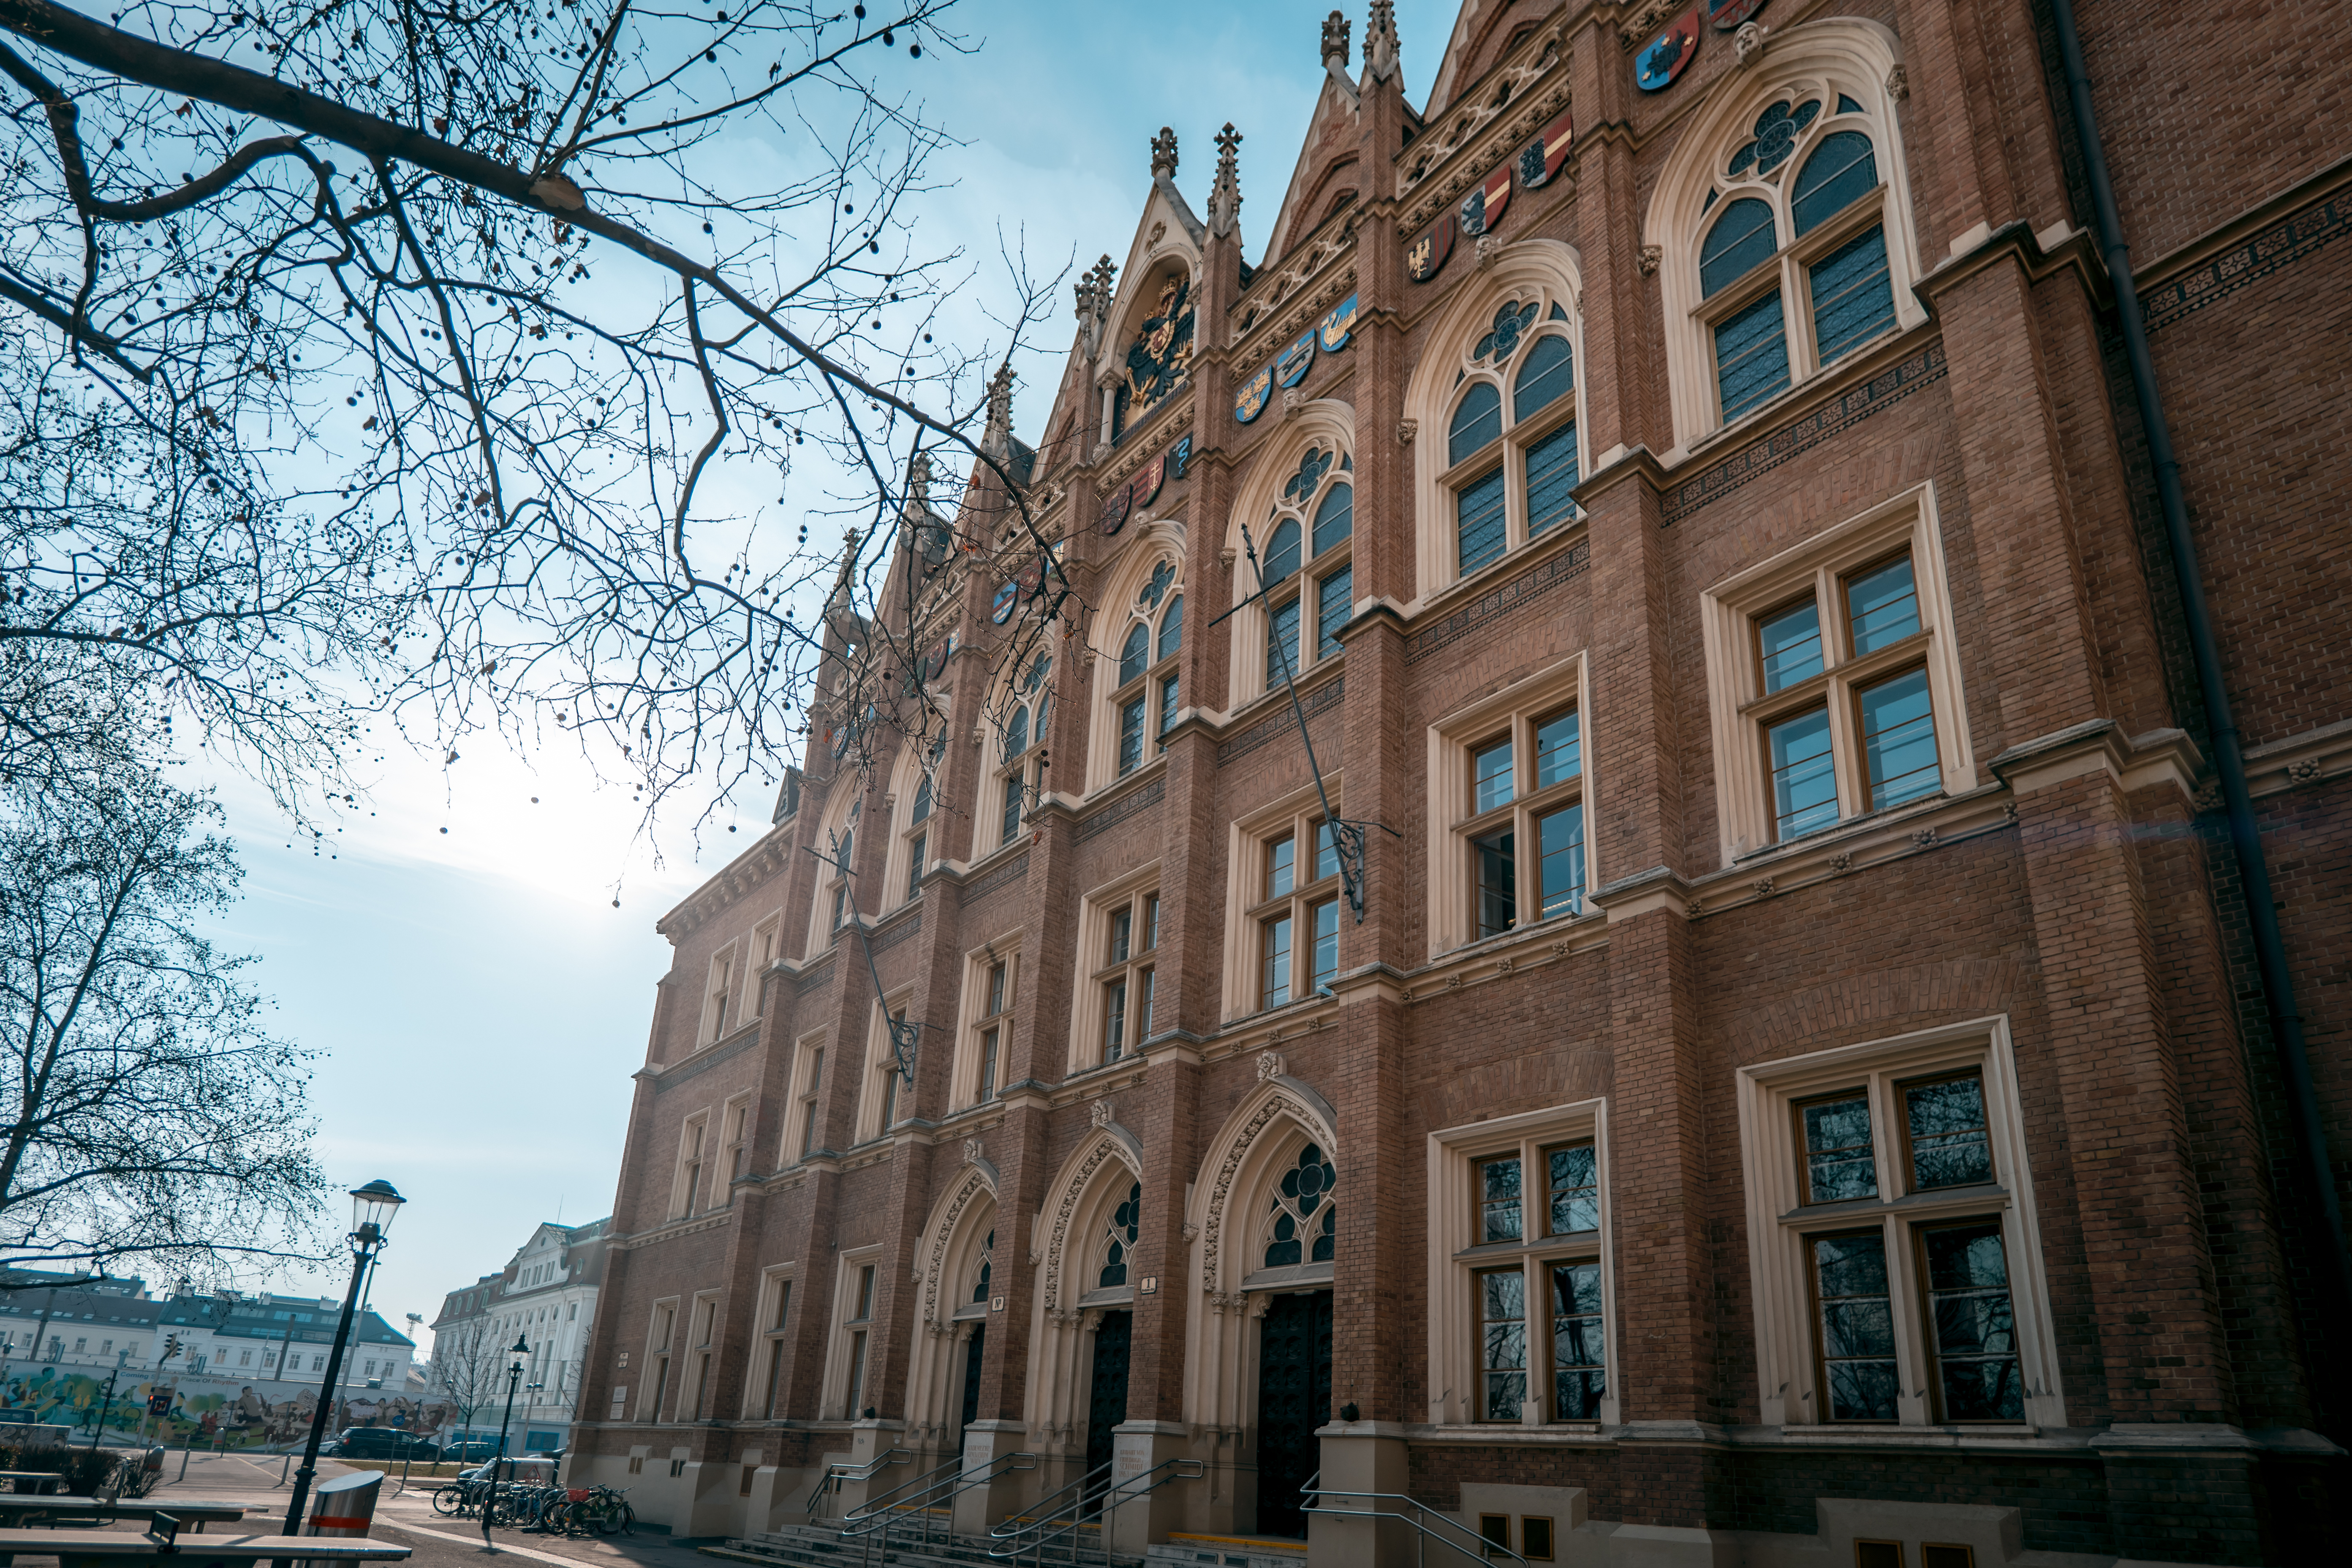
point(761, 1390)
point(805, 1137)
point(1146, 686)
point(723, 993)
point(1509, 448)
point(1303, 586)
point(661, 1351)
point(1456, 1259)
point(1027, 766)
point(735, 1144)
point(840, 819)
point(872, 1092)
point(846, 1328)
point(1089, 1017)
point(1247, 905)
point(1778, 1221)
point(1321, 421)
point(906, 830)
point(1454, 823)
point(974, 1019)
point(765, 950)
point(1736, 697)
point(694, 1162)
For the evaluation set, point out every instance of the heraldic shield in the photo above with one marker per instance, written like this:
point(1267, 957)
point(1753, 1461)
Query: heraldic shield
point(1655, 67)
point(1425, 256)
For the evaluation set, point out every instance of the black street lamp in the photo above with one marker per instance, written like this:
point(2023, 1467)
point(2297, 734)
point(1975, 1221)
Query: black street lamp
point(516, 1358)
point(373, 1208)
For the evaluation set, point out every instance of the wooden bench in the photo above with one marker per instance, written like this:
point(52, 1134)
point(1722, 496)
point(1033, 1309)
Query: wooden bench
point(40, 1478)
point(193, 1512)
point(100, 1549)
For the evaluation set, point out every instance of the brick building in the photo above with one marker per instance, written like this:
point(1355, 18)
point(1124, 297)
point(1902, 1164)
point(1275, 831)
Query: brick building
point(1804, 1075)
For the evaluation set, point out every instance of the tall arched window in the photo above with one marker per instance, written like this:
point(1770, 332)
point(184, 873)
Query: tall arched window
point(1123, 1226)
point(1784, 216)
point(1510, 435)
point(1020, 770)
point(1144, 700)
point(1304, 560)
point(1303, 1222)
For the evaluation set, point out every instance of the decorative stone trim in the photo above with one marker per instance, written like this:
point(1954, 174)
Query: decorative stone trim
point(1012, 871)
point(672, 1232)
point(1277, 285)
point(883, 942)
point(1119, 810)
point(1881, 392)
point(1284, 1096)
point(1264, 730)
point(2315, 754)
point(1483, 126)
point(710, 1055)
point(1501, 600)
point(2276, 246)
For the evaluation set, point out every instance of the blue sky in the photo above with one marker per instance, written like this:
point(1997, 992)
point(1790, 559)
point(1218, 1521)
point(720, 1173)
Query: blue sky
point(478, 1000)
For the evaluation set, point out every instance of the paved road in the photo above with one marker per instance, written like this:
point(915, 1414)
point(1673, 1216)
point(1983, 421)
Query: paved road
point(408, 1519)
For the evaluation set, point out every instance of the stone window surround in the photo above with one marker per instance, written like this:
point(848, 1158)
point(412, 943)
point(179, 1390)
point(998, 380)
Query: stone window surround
point(830, 827)
point(1777, 1221)
point(1509, 450)
point(694, 1155)
point(1734, 682)
point(1093, 966)
point(852, 1260)
point(773, 1281)
point(1452, 921)
point(1332, 422)
point(661, 1347)
point(797, 1126)
point(1832, 54)
point(702, 1319)
point(723, 993)
point(904, 830)
point(879, 1057)
point(1162, 538)
point(1453, 1152)
point(971, 1011)
point(1245, 875)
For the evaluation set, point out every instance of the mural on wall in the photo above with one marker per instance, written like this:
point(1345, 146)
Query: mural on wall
point(239, 1413)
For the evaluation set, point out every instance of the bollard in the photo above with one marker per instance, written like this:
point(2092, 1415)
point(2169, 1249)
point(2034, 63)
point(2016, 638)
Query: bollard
point(346, 1505)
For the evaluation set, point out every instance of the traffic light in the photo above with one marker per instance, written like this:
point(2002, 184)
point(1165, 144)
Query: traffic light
point(171, 1346)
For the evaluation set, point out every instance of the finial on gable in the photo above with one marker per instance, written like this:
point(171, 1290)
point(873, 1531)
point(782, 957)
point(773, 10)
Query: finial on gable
point(1380, 41)
point(1093, 291)
point(1336, 30)
point(1164, 153)
point(996, 435)
point(1226, 196)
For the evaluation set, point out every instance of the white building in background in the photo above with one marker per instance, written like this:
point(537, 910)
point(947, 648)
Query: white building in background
point(546, 1296)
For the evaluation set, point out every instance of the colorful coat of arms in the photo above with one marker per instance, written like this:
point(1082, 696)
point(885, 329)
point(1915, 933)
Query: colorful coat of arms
point(1008, 599)
point(1290, 366)
point(1338, 326)
point(1425, 256)
point(1663, 58)
point(1250, 402)
point(1180, 458)
point(1115, 508)
point(1482, 209)
point(1147, 479)
point(1540, 159)
point(1162, 351)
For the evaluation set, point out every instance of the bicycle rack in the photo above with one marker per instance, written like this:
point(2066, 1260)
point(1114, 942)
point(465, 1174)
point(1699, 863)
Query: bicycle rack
point(1479, 1550)
point(924, 1500)
point(1055, 1520)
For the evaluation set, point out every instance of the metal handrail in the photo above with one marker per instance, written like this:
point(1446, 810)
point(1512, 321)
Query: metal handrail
point(836, 1474)
point(1066, 1521)
point(931, 1491)
point(1485, 1550)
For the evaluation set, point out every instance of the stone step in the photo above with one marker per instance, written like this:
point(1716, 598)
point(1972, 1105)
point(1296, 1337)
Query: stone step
point(1195, 1550)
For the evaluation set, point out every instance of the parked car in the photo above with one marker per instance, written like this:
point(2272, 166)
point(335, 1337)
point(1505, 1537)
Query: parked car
point(473, 1448)
point(380, 1443)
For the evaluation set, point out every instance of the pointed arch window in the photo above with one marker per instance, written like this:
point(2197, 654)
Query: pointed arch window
point(1020, 766)
point(1118, 1243)
point(1304, 1221)
point(987, 1263)
point(1306, 565)
point(1794, 272)
point(1510, 441)
point(1145, 701)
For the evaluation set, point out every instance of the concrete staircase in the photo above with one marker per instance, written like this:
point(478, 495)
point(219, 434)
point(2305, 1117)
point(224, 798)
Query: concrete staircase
point(1187, 1550)
point(822, 1546)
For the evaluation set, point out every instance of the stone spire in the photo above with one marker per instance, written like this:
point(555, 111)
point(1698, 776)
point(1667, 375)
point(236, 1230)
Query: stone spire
point(918, 480)
point(1380, 41)
point(1164, 153)
point(1336, 29)
point(996, 435)
point(1226, 196)
point(1093, 291)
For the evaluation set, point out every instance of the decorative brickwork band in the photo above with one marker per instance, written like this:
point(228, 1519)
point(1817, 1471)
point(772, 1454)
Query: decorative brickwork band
point(1266, 730)
point(1880, 392)
point(1512, 595)
point(1009, 872)
point(884, 941)
point(2286, 241)
point(1118, 811)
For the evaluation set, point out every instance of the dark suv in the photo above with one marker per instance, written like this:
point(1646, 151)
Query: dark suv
point(383, 1443)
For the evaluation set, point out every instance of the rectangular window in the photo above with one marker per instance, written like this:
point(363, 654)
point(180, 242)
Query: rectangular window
point(1498, 883)
point(1499, 1199)
point(1478, 522)
point(1561, 857)
point(1856, 1324)
point(1580, 1374)
point(1009, 823)
point(1973, 1336)
point(1804, 778)
point(1334, 603)
point(1167, 704)
point(1113, 1019)
point(855, 1405)
point(1325, 964)
point(1898, 740)
point(1281, 865)
point(1853, 298)
point(1573, 1203)
point(776, 1346)
point(1326, 851)
point(988, 1065)
point(1751, 356)
point(1122, 930)
point(808, 1122)
point(1490, 776)
point(1131, 735)
point(1275, 990)
point(915, 864)
point(1839, 1163)
point(1946, 1139)
point(1559, 749)
point(1108, 1021)
point(1143, 1006)
point(1881, 606)
point(1281, 643)
point(1502, 1343)
point(1788, 644)
point(1551, 479)
point(1151, 921)
point(997, 998)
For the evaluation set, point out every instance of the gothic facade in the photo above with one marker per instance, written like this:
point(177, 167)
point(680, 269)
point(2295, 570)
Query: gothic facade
point(1563, 849)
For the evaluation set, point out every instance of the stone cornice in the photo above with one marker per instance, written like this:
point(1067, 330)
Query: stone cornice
point(747, 870)
point(671, 1231)
point(1475, 132)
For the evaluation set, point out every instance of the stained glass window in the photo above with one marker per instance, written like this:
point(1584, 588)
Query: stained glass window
point(1125, 1222)
point(1304, 1221)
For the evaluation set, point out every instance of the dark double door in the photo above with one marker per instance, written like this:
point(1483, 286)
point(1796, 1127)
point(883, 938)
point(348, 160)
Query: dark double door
point(1294, 1398)
point(975, 1349)
point(1107, 1404)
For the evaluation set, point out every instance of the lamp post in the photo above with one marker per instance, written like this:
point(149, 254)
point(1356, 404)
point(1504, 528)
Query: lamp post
point(373, 1208)
point(516, 1359)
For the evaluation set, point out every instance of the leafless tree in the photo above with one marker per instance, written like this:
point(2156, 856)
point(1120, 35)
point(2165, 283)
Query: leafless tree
point(384, 356)
point(469, 1368)
point(145, 1113)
